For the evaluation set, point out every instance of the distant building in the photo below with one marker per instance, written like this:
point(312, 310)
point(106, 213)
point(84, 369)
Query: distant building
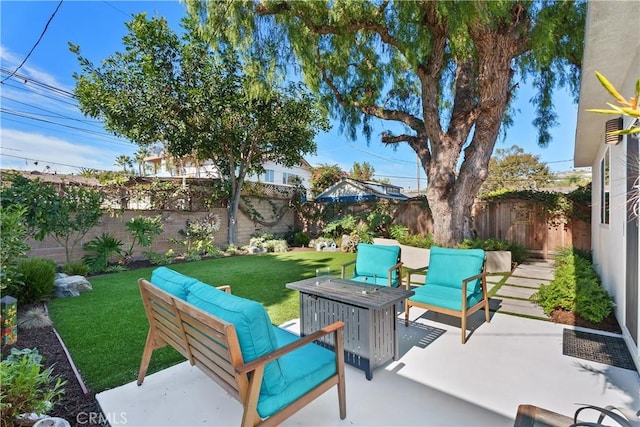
point(352, 190)
point(163, 166)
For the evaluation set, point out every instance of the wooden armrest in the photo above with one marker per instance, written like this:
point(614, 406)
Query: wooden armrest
point(225, 288)
point(396, 267)
point(263, 360)
point(477, 276)
point(415, 270)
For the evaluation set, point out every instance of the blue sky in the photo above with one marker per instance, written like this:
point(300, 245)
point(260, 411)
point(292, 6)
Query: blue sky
point(41, 129)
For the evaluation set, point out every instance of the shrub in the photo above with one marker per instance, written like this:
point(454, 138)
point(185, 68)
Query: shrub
point(143, 229)
point(301, 239)
point(75, 268)
point(102, 249)
point(160, 259)
point(576, 287)
point(518, 252)
point(199, 235)
point(12, 246)
point(38, 275)
point(26, 387)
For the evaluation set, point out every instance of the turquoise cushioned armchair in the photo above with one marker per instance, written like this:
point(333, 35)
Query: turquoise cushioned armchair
point(455, 285)
point(376, 265)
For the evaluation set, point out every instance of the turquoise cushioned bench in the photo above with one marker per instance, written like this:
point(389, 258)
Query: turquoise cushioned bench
point(287, 375)
point(455, 284)
point(376, 265)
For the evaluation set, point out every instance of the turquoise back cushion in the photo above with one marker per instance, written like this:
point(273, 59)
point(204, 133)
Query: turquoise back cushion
point(253, 327)
point(172, 282)
point(448, 267)
point(376, 260)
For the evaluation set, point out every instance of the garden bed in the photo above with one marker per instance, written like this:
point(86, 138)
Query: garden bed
point(76, 407)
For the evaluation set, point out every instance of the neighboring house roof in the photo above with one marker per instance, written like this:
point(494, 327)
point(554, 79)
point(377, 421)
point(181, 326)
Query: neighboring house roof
point(352, 190)
point(611, 47)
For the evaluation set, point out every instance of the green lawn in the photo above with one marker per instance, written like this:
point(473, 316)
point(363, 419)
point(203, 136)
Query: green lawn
point(105, 329)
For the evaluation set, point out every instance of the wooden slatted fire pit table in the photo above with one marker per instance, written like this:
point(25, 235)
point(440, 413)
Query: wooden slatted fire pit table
point(369, 313)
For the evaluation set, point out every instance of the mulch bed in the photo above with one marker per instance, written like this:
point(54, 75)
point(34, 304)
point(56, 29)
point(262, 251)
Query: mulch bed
point(76, 407)
point(609, 324)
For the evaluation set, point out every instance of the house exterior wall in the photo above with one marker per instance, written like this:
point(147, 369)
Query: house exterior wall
point(279, 171)
point(609, 240)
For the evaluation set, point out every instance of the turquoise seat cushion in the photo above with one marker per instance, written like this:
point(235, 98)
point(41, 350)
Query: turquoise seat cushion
point(444, 296)
point(171, 281)
point(448, 267)
point(252, 324)
point(376, 260)
point(303, 369)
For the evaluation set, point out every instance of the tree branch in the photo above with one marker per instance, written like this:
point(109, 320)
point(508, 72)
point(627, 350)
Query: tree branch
point(373, 110)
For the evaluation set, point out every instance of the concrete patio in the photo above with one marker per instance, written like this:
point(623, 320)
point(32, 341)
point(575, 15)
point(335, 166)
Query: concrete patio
point(436, 382)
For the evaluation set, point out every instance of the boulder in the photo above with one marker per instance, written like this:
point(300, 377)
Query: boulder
point(70, 286)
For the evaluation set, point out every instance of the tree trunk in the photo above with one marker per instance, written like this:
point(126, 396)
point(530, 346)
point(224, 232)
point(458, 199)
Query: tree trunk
point(232, 210)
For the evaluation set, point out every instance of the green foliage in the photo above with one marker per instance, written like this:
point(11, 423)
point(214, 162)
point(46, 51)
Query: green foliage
point(26, 386)
point(75, 268)
point(518, 252)
point(160, 259)
point(362, 172)
point(269, 242)
point(102, 250)
point(560, 208)
point(323, 177)
point(402, 235)
point(338, 227)
point(576, 287)
point(198, 236)
point(12, 245)
point(66, 214)
point(513, 169)
point(143, 229)
point(398, 232)
point(301, 239)
point(38, 275)
point(206, 104)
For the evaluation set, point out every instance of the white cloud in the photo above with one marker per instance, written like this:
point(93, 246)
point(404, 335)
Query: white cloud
point(11, 61)
point(20, 150)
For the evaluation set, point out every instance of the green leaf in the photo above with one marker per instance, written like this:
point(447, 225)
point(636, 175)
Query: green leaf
point(609, 87)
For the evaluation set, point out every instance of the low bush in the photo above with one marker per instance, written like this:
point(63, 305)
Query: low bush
point(26, 386)
point(102, 249)
point(518, 252)
point(156, 258)
point(38, 275)
point(576, 287)
point(301, 239)
point(75, 268)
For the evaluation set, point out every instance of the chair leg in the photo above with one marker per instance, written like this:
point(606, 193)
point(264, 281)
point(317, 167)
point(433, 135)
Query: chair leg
point(463, 321)
point(146, 356)
point(486, 311)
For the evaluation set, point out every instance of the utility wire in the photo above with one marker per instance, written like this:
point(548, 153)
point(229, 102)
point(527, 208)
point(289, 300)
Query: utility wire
point(36, 43)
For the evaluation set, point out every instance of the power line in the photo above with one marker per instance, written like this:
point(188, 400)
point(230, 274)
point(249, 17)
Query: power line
point(53, 113)
point(36, 43)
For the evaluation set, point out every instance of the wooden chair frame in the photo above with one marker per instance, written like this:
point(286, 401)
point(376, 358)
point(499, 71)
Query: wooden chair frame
point(462, 314)
point(212, 345)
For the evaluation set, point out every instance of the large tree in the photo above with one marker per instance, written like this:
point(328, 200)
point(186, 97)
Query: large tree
point(200, 103)
point(442, 72)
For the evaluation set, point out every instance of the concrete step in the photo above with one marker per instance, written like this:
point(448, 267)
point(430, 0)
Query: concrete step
point(515, 292)
point(526, 281)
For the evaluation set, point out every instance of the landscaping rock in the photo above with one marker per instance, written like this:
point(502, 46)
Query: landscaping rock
point(70, 286)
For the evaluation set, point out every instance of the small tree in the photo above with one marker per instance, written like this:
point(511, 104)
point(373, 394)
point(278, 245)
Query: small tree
point(324, 176)
point(362, 172)
point(513, 169)
point(65, 214)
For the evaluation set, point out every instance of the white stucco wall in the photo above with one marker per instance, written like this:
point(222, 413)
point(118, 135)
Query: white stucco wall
point(609, 240)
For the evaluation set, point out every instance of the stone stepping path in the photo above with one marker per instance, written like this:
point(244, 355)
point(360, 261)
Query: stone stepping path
point(513, 296)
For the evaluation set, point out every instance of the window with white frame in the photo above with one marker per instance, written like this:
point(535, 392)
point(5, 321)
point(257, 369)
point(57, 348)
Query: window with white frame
point(605, 186)
point(269, 175)
point(287, 177)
